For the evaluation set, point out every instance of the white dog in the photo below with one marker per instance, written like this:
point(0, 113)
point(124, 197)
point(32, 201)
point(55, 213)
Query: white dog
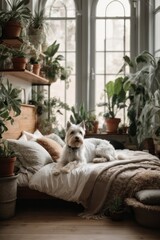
point(78, 150)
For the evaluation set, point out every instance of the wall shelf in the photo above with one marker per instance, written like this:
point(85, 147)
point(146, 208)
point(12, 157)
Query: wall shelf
point(11, 42)
point(27, 76)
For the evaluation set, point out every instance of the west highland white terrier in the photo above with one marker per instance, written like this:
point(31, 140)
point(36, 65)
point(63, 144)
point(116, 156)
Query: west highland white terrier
point(78, 150)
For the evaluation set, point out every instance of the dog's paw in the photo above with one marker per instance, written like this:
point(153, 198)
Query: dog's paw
point(56, 172)
point(99, 160)
point(64, 170)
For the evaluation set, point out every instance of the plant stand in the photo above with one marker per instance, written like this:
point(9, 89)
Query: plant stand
point(8, 195)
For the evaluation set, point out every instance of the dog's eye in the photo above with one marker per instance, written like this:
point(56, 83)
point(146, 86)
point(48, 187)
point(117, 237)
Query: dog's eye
point(80, 132)
point(72, 132)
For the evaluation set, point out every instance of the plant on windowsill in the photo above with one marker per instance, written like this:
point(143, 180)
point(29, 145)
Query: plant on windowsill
point(9, 108)
point(79, 114)
point(116, 100)
point(13, 20)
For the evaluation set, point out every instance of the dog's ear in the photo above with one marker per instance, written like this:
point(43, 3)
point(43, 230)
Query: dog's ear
point(82, 124)
point(68, 125)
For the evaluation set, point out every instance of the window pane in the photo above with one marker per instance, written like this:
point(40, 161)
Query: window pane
point(100, 34)
point(99, 63)
point(157, 3)
point(114, 62)
point(157, 31)
point(115, 35)
point(63, 8)
point(115, 8)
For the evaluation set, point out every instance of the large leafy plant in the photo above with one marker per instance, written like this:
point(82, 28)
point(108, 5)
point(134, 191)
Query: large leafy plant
point(9, 108)
point(115, 96)
point(144, 94)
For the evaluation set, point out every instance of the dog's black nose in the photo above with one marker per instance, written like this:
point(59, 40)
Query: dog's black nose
point(76, 138)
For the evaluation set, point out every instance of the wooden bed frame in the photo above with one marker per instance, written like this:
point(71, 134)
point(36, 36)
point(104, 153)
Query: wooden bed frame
point(26, 121)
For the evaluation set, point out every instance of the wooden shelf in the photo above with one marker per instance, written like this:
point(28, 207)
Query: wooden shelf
point(12, 42)
point(27, 76)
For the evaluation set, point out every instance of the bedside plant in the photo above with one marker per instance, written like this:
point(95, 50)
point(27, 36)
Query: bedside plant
point(9, 103)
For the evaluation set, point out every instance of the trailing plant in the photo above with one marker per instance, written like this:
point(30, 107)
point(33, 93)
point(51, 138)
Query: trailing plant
point(47, 110)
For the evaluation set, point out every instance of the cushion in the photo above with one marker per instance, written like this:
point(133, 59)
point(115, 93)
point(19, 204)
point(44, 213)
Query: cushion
point(51, 146)
point(56, 138)
point(150, 196)
point(30, 154)
point(32, 136)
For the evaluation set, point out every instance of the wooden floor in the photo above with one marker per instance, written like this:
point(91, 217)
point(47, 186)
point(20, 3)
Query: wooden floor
point(51, 221)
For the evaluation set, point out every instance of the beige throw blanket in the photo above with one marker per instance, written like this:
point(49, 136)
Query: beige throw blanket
point(120, 178)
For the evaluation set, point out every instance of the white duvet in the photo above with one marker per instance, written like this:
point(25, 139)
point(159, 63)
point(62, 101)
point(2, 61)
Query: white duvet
point(64, 186)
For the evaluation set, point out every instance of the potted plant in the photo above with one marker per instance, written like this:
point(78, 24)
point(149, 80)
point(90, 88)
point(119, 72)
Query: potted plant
point(35, 62)
point(47, 111)
point(36, 29)
point(144, 95)
point(80, 114)
point(15, 18)
point(52, 66)
point(19, 58)
point(4, 55)
point(115, 100)
point(9, 107)
point(116, 209)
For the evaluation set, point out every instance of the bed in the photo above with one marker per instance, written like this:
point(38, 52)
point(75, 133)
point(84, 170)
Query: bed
point(92, 185)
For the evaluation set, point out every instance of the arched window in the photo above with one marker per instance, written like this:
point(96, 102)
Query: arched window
point(113, 38)
point(61, 19)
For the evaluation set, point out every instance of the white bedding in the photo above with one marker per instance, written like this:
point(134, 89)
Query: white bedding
point(64, 186)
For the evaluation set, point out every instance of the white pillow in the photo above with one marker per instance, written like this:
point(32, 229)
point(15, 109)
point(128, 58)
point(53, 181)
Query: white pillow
point(32, 136)
point(30, 154)
point(56, 138)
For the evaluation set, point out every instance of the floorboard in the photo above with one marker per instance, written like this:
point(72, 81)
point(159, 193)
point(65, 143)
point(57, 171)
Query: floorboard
point(59, 220)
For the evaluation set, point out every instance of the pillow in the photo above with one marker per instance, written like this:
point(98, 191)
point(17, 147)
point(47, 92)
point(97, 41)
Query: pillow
point(32, 136)
point(51, 146)
point(30, 154)
point(150, 196)
point(56, 138)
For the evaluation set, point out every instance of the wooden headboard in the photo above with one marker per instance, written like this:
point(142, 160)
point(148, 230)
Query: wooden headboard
point(26, 121)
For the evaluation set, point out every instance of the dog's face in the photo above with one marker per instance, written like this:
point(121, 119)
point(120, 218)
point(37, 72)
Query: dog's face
point(75, 134)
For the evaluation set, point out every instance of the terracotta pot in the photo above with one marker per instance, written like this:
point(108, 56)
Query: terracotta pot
point(19, 63)
point(112, 124)
point(12, 29)
point(95, 127)
point(36, 69)
point(7, 166)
